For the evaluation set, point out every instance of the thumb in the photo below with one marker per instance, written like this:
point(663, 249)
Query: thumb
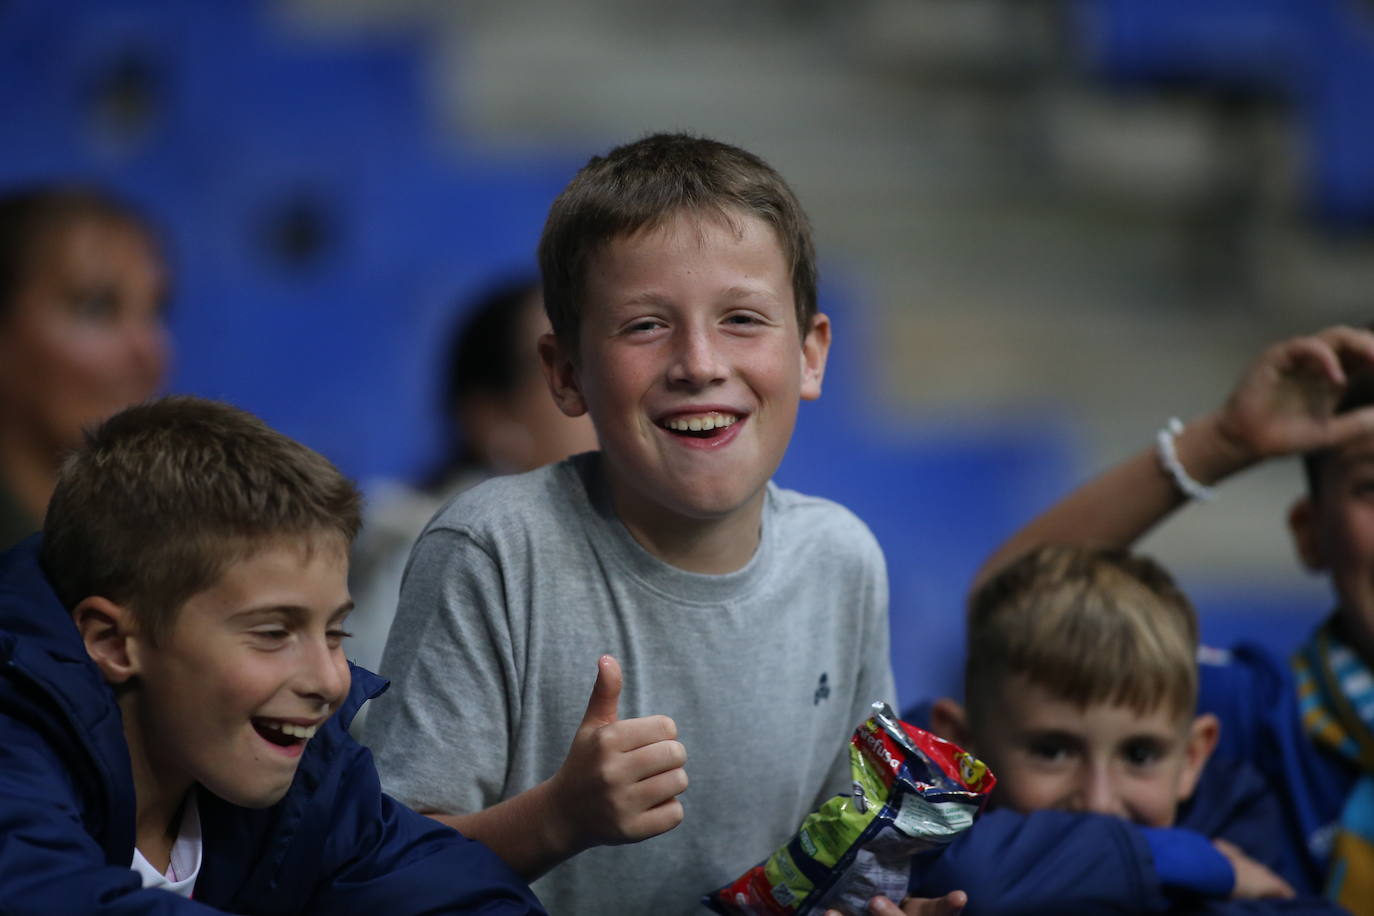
point(952, 903)
point(604, 706)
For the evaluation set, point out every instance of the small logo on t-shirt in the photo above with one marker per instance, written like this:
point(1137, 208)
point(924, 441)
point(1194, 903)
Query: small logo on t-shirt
point(822, 690)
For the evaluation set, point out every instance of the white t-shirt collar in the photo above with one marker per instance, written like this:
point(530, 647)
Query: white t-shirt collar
point(180, 877)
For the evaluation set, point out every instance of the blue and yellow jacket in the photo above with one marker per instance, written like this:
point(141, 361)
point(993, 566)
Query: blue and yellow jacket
point(334, 843)
point(1255, 696)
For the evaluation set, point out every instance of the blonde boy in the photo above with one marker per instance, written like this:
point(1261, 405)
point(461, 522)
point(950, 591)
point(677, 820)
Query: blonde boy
point(1081, 685)
point(1308, 723)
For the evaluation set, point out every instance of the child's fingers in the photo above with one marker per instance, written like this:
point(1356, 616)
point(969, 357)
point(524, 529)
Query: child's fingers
point(1355, 344)
point(950, 905)
point(881, 906)
point(650, 760)
point(654, 791)
point(1254, 881)
point(631, 734)
point(1319, 353)
point(1348, 426)
point(658, 819)
point(1330, 351)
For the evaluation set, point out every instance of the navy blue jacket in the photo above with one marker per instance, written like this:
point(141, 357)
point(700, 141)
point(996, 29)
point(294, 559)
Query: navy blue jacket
point(1255, 697)
point(1059, 862)
point(334, 843)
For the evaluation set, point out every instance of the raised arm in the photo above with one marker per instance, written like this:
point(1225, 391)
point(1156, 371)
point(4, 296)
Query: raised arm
point(1283, 404)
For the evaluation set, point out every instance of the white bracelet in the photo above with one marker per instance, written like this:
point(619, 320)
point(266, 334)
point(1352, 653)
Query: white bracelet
point(1168, 460)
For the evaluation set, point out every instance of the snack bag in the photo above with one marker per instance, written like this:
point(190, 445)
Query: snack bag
point(912, 792)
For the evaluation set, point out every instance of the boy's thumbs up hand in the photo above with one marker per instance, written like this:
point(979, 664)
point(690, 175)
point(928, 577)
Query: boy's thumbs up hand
point(621, 778)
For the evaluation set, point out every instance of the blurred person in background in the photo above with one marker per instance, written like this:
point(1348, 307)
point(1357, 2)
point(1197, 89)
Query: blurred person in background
point(83, 287)
point(502, 421)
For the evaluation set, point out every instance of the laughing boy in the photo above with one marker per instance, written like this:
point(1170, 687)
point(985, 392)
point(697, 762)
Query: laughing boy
point(174, 696)
point(732, 618)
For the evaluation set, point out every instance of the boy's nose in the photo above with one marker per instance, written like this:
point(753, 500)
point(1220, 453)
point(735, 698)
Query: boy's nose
point(1101, 794)
point(696, 359)
point(324, 675)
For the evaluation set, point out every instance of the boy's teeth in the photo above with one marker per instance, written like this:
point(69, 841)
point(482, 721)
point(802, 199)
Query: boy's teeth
point(701, 423)
point(295, 731)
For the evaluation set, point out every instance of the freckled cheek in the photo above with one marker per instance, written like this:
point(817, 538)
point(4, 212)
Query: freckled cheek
point(781, 385)
point(243, 692)
point(619, 403)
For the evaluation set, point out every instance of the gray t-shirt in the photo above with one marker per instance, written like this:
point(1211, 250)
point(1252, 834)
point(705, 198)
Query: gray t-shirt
point(520, 584)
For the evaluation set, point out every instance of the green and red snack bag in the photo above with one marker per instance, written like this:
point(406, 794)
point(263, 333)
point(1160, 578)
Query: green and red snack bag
point(912, 792)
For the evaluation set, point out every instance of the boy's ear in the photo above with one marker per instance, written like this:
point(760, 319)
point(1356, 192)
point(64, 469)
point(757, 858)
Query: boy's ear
point(107, 629)
point(1202, 740)
point(949, 720)
point(561, 373)
point(1302, 525)
point(815, 350)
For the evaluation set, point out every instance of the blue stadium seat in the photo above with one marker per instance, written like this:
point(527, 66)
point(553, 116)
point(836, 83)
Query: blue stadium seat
point(1230, 44)
point(1316, 54)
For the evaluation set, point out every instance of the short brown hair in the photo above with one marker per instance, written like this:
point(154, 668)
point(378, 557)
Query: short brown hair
point(1090, 625)
point(640, 186)
point(164, 496)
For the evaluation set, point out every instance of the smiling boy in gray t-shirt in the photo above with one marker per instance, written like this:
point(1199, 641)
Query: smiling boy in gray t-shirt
point(751, 621)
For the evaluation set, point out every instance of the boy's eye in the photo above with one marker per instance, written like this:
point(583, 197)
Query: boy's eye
point(1048, 751)
point(1142, 753)
point(272, 634)
point(744, 319)
point(644, 324)
point(336, 636)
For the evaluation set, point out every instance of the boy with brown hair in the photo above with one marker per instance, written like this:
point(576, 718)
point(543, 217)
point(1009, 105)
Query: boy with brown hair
point(1081, 688)
point(174, 696)
point(751, 621)
point(1308, 724)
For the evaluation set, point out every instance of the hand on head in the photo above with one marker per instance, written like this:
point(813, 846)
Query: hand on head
point(621, 778)
point(1285, 401)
